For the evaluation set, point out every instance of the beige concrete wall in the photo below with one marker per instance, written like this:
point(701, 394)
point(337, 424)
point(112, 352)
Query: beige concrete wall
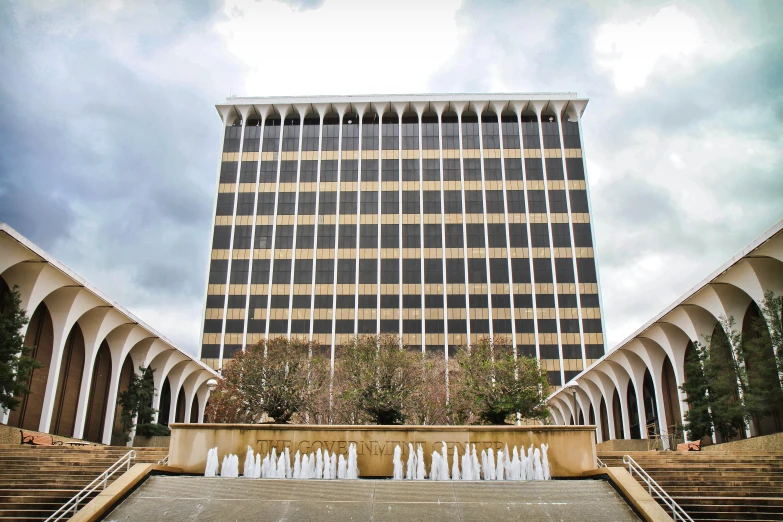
point(765, 443)
point(571, 448)
point(151, 442)
point(625, 445)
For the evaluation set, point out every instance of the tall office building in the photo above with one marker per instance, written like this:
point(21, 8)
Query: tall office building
point(441, 218)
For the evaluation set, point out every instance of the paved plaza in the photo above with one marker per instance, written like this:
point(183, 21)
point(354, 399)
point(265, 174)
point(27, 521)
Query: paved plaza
point(198, 498)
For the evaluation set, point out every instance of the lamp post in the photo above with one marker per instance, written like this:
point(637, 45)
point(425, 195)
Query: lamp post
point(572, 387)
point(212, 384)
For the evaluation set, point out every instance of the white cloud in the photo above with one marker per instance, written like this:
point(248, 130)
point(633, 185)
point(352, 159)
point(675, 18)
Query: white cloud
point(344, 47)
point(631, 50)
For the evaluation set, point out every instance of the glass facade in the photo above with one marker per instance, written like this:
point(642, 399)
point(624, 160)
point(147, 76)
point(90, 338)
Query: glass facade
point(443, 228)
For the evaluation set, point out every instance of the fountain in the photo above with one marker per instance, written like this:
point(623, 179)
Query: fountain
point(397, 463)
point(420, 471)
point(545, 462)
point(230, 467)
point(319, 464)
point(490, 473)
point(342, 467)
point(410, 469)
point(212, 463)
point(248, 470)
point(435, 466)
point(538, 471)
point(353, 470)
point(297, 466)
point(467, 471)
point(455, 465)
point(499, 474)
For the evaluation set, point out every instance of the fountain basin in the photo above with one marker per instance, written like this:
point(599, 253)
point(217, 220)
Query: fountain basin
point(571, 448)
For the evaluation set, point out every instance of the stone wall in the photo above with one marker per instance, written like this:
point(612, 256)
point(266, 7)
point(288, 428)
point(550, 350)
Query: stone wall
point(151, 442)
point(766, 443)
point(571, 448)
point(624, 445)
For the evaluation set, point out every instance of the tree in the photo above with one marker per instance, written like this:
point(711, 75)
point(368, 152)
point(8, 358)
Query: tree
point(698, 421)
point(15, 365)
point(136, 401)
point(375, 379)
point(427, 403)
point(494, 384)
point(772, 308)
point(283, 379)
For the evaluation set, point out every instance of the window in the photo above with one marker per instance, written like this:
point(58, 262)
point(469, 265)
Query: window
point(242, 236)
point(286, 203)
point(390, 236)
point(513, 168)
point(390, 301)
point(431, 170)
point(221, 237)
point(561, 237)
point(247, 172)
point(454, 236)
point(539, 234)
point(433, 272)
point(523, 300)
point(232, 137)
point(345, 301)
point(303, 272)
point(450, 128)
point(520, 270)
point(571, 135)
point(329, 170)
point(452, 202)
point(369, 236)
point(470, 131)
point(494, 201)
point(410, 202)
point(411, 326)
point(566, 300)
point(348, 202)
point(240, 270)
point(582, 235)
point(324, 272)
point(475, 235)
point(456, 301)
point(284, 237)
point(291, 134)
point(451, 169)
point(455, 271)
point(411, 301)
point(410, 170)
point(557, 202)
point(268, 172)
point(411, 237)
point(370, 131)
point(575, 168)
point(517, 234)
point(246, 203)
point(510, 128)
point(228, 172)
point(579, 201)
point(325, 236)
point(432, 202)
point(490, 131)
point(288, 171)
point(589, 300)
point(310, 133)
point(536, 201)
point(346, 271)
point(492, 169)
point(411, 271)
point(304, 236)
point(225, 204)
point(306, 204)
point(551, 133)
point(391, 133)
point(496, 233)
point(369, 203)
point(472, 168)
point(534, 169)
point(432, 236)
point(368, 301)
point(368, 272)
point(542, 270)
point(433, 301)
point(308, 171)
point(260, 273)
point(390, 169)
point(477, 271)
point(347, 236)
point(586, 268)
point(516, 201)
point(370, 170)
point(545, 300)
point(498, 270)
point(282, 272)
point(266, 204)
point(350, 132)
point(473, 202)
point(327, 204)
point(410, 132)
point(554, 168)
point(390, 272)
point(271, 140)
point(429, 132)
point(390, 202)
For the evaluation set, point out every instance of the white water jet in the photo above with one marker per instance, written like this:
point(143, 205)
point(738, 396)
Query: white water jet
point(455, 465)
point(420, 471)
point(311, 468)
point(289, 472)
point(305, 471)
point(410, 468)
point(342, 467)
point(328, 465)
point(523, 465)
point(501, 468)
point(475, 465)
point(272, 471)
point(353, 469)
point(490, 473)
point(467, 467)
point(257, 466)
point(516, 465)
point(333, 471)
point(281, 467)
point(443, 472)
point(530, 472)
point(319, 464)
point(397, 462)
point(230, 466)
point(545, 462)
point(297, 465)
point(435, 466)
point(212, 463)
point(483, 461)
point(247, 471)
point(538, 470)
point(507, 462)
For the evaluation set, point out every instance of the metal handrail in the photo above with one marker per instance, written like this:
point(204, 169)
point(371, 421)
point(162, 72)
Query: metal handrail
point(652, 487)
point(102, 480)
point(164, 461)
point(600, 463)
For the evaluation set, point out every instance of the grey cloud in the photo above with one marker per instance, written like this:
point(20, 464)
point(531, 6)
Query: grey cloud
point(303, 5)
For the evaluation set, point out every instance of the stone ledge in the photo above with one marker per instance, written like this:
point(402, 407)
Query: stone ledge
point(634, 493)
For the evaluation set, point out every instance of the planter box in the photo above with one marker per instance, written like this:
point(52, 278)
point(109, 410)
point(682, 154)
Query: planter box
point(571, 448)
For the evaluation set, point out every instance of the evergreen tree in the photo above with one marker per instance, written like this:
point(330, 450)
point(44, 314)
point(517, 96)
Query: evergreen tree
point(698, 421)
point(15, 365)
point(136, 400)
point(722, 375)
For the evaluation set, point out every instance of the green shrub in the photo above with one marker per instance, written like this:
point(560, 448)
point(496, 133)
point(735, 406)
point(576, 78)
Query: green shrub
point(152, 430)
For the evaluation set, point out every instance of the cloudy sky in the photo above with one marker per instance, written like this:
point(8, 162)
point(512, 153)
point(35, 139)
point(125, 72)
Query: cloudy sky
point(109, 139)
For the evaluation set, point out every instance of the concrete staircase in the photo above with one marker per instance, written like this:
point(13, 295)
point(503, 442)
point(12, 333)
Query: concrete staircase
point(713, 486)
point(36, 480)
